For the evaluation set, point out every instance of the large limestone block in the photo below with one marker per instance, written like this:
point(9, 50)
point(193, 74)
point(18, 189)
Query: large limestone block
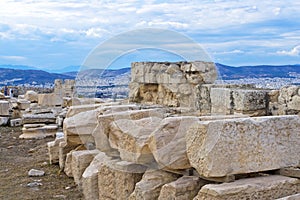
point(168, 144)
point(4, 121)
point(4, 108)
point(47, 118)
point(31, 96)
point(23, 104)
point(90, 177)
point(221, 102)
point(78, 129)
point(80, 161)
point(50, 100)
point(237, 146)
point(84, 101)
point(64, 149)
point(74, 110)
point(150, 186)
point(53, 150)
point(184, 188)
point(130, 138)
point(101, 133)
point(253, 102)
point(117, 179)
point(258, 188)
point(39, 132)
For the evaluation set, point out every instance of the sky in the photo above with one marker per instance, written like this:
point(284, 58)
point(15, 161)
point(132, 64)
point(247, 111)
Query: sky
point(55, 34)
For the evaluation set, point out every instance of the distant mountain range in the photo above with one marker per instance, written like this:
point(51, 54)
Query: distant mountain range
point(20, 74)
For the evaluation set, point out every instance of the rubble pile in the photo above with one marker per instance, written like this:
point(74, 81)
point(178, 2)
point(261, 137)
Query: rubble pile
point(180, 136)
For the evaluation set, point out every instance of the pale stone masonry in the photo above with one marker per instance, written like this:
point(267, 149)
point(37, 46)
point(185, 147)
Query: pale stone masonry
point(258, 188)
point(180, 136)
point(238, 146)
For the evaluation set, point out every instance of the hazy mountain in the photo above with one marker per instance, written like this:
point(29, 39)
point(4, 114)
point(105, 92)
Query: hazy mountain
point(17, 76)
point(260, 71)
point(26, 74)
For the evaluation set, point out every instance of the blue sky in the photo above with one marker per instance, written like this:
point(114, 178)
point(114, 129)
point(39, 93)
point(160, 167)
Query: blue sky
point(55, 34)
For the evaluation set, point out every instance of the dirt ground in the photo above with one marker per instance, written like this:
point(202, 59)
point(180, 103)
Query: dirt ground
point(17, 157)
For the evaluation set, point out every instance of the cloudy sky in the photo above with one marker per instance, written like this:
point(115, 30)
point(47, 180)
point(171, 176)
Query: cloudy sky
point(56, 34)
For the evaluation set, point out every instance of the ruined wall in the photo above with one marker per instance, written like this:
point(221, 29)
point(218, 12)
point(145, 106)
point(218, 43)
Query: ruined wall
point(169, 84)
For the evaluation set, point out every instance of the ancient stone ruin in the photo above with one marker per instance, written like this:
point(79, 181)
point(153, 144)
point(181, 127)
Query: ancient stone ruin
point(179, 136)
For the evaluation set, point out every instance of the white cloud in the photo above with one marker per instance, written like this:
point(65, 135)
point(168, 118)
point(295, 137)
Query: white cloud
point(293, 52)
point(235, 51)
point(15, 58)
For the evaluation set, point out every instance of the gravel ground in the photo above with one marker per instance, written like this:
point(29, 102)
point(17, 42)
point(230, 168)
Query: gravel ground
point(17, 157)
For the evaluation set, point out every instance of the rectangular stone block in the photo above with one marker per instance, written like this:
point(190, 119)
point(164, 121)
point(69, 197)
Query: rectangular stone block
point(4, 108)
point(53, 150)
point(258, 188)
point(80, 161)
point(15, 122)
point(245, 145)
point(253, 102)
point(186, 187)
point(117, 179)
point(50, 100)
point(4, 121)
point(221, 102)
point(90, 188)
point(23, 104)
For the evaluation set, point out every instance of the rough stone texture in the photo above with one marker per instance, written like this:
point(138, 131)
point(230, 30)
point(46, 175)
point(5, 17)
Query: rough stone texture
point(252, 102)
point(15, 122)
point(78, 129)
point(23, 104)
point(39, 132)
point(64, 88)
point(64, 149)
point(117, 179)
point(130, 138)
point(2, 96)
point(53, 150)
point(80, 161)
point(291, 197)
point(48, 118)
point(90, 177)
point(291, 172)
point(102, 131)
point(237, 146)
point(184, 188)
point(84, 101)
point(68, 164)
point(168, 144)
point(31, 96)
point(170, 84)
point(150, 185)
point(74, 110)
point(259, 188)
point(245, 101)
point(50, 100)
point(4, 121)
point(4, 108)
point(289, 100)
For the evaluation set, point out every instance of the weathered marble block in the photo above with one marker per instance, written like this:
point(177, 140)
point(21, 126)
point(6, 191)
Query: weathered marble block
point(80, 161)
point(117, 179)
point(150, 186)
point(130, 138)
point(238, 146)
point(258, 188)
point(90, 177)
point(168, 144)
point(4, 108)
point(186, 187)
